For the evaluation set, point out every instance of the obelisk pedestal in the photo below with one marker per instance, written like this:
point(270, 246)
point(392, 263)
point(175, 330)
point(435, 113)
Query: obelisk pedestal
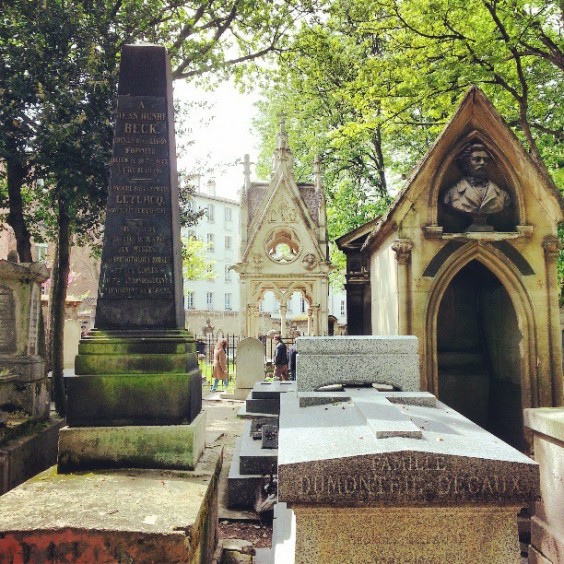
point(135, 398)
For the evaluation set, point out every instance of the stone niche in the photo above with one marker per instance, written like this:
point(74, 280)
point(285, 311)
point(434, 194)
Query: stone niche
point(23, 380)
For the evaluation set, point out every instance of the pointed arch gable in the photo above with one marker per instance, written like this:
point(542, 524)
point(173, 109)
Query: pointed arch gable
point(509, 277)
point(282, 181)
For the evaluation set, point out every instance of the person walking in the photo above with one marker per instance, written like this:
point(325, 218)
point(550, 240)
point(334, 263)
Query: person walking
point(292, 358)
point(220, 365)
point(280, 359)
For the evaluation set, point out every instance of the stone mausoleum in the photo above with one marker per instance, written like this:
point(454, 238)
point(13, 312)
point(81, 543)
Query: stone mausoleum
point(466, 260)
point(284, 245)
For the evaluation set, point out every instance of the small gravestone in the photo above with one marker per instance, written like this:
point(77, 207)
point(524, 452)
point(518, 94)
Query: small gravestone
point(269, 436)
point(250, 366)
point(23, 378)
point(137, 379)
point(258, 423)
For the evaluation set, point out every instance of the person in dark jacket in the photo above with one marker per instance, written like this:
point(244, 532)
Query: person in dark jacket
point(280, 359)
point(292, 358)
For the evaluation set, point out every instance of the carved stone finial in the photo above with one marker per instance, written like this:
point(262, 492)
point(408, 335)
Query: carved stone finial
point(551, 246)
point(282, 151)
point(317, 173)
point(402, 248)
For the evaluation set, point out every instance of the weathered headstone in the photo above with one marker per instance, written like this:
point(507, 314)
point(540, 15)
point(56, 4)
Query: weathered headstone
point(138, 366)
point(397, 477)
point(269, 436)
point(250, 366)
point(23, 379)
point(323, 361)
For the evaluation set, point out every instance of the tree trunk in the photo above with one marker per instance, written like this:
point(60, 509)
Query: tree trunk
point(16, 173)
point(60, 274)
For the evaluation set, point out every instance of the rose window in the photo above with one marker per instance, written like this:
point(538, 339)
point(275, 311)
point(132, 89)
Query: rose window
point(282, 246)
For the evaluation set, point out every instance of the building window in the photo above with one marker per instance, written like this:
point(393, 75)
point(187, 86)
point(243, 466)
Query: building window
point(40, 252)
point(302, 305)
point(209, 300)
point(228, 306)
point(192, 234)
point(210, 240)
point(189, 300)
point(228, 214)
point(210, 273)
point(227, 243)
point(228, 274)
point(342, 307)
point(210, 213)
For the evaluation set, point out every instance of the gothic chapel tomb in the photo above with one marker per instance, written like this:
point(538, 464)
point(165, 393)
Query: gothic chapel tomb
point(284, 245)
point(466, 260)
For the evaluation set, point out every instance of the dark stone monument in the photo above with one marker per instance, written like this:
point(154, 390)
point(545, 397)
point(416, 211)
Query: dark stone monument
point(269, 436)
point(141, 274)
point(139, 365)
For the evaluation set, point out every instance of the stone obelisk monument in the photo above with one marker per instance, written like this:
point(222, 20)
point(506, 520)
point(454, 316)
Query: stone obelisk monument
point(137, 379)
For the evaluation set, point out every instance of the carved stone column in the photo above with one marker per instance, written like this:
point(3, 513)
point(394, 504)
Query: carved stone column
point(551, 246)
point(315, 316)
point(402, 248)
point(309, 321)
point(283, 311)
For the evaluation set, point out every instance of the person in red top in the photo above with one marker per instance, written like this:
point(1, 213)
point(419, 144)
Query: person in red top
point(220, 365)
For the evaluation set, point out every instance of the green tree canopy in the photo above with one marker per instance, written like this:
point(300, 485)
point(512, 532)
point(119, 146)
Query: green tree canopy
point(369, 84)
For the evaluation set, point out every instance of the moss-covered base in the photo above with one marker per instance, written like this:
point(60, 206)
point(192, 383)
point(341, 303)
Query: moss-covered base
point(176, 447)
point(134, 378)
point(114, 516)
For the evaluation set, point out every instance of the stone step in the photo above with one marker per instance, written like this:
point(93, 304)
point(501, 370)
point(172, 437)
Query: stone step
point(272, 390)
point(283, 535)
point(253, 459)
point(242, 490)
point(269, 406)
point(263, 556)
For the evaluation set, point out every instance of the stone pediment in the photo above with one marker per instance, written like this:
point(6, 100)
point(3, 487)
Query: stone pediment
point(285, 222)
point(283, 207)
point(476, 120)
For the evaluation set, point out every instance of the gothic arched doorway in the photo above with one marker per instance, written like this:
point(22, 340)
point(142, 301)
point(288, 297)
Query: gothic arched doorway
point(479, 361)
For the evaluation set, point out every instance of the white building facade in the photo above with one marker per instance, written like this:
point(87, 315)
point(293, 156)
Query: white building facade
point(218, 229)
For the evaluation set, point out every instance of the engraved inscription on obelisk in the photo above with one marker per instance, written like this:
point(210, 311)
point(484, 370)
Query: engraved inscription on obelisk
point(141, 278)
point(8, 322)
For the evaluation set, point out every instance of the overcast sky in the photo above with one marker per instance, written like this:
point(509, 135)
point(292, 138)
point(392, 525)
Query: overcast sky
point(221, 133)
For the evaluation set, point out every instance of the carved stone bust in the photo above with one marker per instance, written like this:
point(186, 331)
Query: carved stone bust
point(474, 194)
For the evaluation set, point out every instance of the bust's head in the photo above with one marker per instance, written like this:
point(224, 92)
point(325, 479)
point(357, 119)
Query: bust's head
point(473, 161)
